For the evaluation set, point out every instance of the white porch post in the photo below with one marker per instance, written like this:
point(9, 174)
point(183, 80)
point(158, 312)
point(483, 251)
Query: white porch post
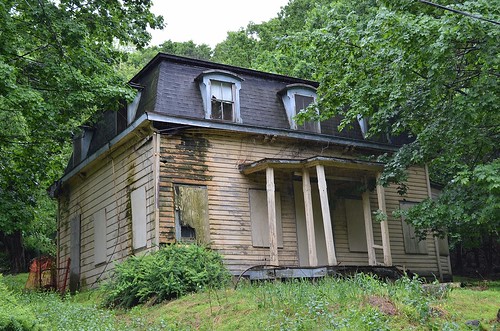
point(271, 216)
point(372, 260)
point(384, 227)
point(311, 238)
point(325, 211)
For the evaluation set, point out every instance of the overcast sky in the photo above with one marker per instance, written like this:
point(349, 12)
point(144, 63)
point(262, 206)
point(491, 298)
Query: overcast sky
point(209, 21)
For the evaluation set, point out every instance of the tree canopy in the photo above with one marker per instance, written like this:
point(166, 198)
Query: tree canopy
point(57, 63)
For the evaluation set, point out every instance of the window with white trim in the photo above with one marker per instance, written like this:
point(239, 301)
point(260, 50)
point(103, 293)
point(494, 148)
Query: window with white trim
point(296, 98)
point(363, 125)
point(220, 91)
point(222, 101)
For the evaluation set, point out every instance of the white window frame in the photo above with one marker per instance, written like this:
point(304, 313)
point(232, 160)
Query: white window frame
point(364, 124)
point(205, 84)
point(288, 97)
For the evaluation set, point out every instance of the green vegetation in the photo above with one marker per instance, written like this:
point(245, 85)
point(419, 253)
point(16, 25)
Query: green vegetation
point(170, 272)
point(53, 79)
point(357, 303)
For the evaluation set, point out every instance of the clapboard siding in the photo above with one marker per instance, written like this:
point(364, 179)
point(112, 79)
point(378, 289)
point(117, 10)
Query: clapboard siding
point(107, 184)
point(211, 158)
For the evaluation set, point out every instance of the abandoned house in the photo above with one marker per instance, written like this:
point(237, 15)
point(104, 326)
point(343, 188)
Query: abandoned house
point(211, 153)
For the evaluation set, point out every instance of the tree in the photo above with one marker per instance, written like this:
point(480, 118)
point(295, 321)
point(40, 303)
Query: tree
point(409, 68)
point(136, 59)
point(57, 62)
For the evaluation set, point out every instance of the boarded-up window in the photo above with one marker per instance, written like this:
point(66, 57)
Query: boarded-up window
point(444, 249)
point(139, 231)
point(260, 221)
point(74, 275)
point(100, 236)
point(355, 225)
point(191, 214)
point(412, 244)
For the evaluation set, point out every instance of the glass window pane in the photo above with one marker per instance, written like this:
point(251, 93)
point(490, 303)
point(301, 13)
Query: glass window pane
point(216, 110)
point(216, 90)
point(227, 109)
point(301, 102)
point(227, 91)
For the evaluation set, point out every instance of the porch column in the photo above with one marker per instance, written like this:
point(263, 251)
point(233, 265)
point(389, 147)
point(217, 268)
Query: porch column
point(271, 216)
point(325, 211)
point(384, 227)
point(311, 238)
point(372, 260)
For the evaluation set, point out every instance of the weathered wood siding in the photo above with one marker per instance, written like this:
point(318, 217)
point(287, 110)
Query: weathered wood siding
point(106, 185)
point(211, 158)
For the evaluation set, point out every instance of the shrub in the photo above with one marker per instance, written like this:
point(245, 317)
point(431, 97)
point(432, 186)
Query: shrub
point(14, 316)
point(170, 272)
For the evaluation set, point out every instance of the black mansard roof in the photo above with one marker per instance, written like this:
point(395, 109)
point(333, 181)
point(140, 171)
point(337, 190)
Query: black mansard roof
point(170, 96)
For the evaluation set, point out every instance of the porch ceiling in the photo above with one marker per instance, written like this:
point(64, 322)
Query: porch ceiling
point(297, 164)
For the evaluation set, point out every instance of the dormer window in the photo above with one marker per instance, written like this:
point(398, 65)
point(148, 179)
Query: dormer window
point(220, 91)
point(222, 101)
point(296, 98)
point(363, 125)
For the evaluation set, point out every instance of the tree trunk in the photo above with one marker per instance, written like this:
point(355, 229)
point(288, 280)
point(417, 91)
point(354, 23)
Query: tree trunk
point(13, 243)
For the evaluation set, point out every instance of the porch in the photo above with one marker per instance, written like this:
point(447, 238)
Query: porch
point(317, 175)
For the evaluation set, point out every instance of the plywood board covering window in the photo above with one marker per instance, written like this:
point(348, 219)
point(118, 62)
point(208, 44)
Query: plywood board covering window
point(259, 219)
point(100, 236)
point(75, 236)
point(355, 225)
point(139, 231)
point(412, 244)
point(191, 214)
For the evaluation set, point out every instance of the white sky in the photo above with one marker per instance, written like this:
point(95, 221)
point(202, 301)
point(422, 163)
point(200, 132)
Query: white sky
point(209, 21)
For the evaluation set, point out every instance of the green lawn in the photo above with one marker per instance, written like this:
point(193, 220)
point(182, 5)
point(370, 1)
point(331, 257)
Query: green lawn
point(357, 303)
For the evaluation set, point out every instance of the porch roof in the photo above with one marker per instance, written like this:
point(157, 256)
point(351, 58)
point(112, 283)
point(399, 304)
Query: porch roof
point(338, 162)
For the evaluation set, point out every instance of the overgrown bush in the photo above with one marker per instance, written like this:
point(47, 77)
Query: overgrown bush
point(168, 273)
point(13, 315)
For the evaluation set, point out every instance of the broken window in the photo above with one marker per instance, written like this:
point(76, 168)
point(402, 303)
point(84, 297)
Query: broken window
point(191, 214)
point(412, 244)
point(220, 91)
point(222, 101)
point(260, 221)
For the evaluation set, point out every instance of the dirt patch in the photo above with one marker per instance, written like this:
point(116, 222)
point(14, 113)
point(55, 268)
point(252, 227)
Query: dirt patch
point(383, 304)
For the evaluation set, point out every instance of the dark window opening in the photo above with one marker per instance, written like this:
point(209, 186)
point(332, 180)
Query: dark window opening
point(222, 101)
point(301, 104)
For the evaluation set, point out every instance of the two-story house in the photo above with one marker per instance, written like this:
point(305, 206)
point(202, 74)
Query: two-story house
point(211, 153)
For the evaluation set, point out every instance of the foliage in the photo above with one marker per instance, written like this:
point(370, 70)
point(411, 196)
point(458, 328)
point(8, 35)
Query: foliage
point(357, 302)
point(168, 273)
point(57, 63)
point(136, 59)
point(13, 314)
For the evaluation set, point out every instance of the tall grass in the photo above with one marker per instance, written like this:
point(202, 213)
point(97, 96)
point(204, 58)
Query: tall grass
point(360, 302)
